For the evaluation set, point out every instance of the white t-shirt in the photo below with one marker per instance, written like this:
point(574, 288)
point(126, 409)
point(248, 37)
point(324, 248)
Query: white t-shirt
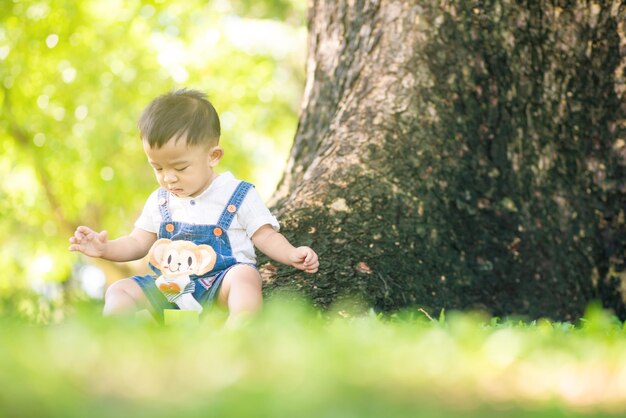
point(206, 209)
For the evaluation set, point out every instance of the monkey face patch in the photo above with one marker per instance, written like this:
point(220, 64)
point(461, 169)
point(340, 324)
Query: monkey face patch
point(182, 258)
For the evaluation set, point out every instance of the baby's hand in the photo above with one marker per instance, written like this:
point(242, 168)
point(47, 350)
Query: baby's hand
point(88, 242)
point(304, 258)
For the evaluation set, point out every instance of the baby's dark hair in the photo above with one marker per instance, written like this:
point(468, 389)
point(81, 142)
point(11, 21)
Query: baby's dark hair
point(180, 112)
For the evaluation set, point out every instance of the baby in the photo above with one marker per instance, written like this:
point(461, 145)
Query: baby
point(180, 133)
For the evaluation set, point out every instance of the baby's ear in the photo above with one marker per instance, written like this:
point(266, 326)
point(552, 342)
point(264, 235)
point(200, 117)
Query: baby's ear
point(158, 251)
point(215, 155)
point(206, 259)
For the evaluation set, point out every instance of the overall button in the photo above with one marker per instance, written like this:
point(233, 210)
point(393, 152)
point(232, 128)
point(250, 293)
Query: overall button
point(232, 208)
point(217, 232)
point(169, 227)
point(192, 202)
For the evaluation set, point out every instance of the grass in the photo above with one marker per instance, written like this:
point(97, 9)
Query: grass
point(293, 361)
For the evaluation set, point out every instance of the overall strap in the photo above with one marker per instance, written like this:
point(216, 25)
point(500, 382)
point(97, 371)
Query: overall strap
point(164, 205)
point(229, 212)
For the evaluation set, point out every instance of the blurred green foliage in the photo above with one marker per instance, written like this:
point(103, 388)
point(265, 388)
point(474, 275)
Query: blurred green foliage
point(74, 76)
point(295, 361)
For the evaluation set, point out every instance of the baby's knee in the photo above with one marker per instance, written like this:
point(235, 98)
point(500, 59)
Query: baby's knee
point(241, 280)
point(123, 288)
point(123, 297)
point(244, 275)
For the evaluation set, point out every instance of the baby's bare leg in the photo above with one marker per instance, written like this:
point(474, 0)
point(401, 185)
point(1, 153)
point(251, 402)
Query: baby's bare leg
point(241, 292)
point(124, 297)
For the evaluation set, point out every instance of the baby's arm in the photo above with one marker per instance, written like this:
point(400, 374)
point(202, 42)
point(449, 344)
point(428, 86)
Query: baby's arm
point(95, 244)
point(275, 245)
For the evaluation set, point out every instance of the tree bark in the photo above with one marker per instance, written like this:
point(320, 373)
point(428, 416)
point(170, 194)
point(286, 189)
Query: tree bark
point(461, 156)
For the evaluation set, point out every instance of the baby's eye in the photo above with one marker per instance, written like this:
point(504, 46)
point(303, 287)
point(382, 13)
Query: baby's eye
point(157, 168)
point(182, 169)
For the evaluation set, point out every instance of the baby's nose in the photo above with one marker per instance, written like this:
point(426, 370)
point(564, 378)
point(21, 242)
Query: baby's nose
point(170, 177)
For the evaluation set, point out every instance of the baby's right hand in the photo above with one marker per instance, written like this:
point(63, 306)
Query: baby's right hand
point(88, 241)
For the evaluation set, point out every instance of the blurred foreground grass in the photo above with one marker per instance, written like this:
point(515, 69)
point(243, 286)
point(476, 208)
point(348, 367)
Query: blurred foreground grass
point(295, 361)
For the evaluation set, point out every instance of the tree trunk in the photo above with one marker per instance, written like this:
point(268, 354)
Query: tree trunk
point(461, 156)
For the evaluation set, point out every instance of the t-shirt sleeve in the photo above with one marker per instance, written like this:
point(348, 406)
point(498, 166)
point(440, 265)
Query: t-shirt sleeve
point(253, 213)
point(148, 219)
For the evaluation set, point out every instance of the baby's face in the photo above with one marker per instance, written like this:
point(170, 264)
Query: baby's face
point(184, 170)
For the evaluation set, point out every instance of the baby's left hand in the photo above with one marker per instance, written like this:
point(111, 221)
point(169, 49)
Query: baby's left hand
point(304, 258)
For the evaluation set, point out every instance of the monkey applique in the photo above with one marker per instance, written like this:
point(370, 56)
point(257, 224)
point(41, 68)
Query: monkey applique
point(177, 260)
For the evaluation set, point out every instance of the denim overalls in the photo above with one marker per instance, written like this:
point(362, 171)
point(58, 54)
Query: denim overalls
point(205, 286)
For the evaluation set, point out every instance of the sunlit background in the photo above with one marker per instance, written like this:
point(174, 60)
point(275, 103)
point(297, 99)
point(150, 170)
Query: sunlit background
point(74, 77)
